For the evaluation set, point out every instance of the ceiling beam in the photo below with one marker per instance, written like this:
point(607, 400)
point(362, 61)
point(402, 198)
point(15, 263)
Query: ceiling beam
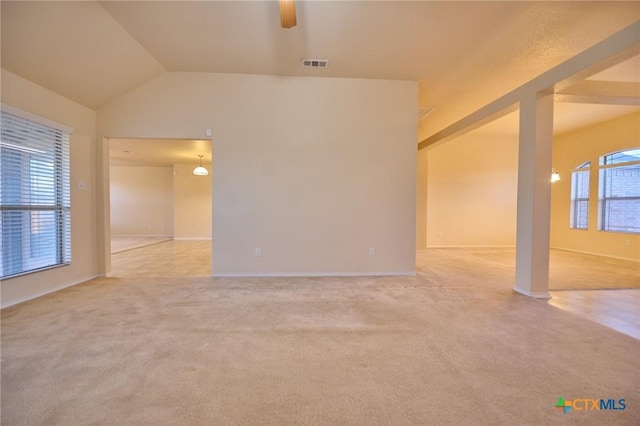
point(609, 52)
point(601, 92)
point(600, 100)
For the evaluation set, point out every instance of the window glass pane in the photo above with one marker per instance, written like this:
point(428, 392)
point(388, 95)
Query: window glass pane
point(619, 206)
point(579, 200)
point(41, 180)
point(42, 236)
point(621, 157)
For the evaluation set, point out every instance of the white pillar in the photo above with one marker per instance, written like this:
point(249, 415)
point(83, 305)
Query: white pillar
point(534, 195)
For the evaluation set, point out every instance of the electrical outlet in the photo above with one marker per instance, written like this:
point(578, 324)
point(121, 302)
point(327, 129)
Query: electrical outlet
point(627, 242)
point(372, 251)
point(258, 252)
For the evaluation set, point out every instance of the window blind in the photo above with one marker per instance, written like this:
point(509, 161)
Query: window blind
point(579, 200)
point(35, 199)
point(619, 206)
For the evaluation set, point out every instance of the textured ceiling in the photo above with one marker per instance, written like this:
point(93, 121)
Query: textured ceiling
point(464, 54)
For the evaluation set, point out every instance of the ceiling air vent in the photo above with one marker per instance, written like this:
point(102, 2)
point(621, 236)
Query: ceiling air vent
point(315, 63)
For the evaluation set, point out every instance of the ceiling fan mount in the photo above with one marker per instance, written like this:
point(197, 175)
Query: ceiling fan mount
point(287, 13)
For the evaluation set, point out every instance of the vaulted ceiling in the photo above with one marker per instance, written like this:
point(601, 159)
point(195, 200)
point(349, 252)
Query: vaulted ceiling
point(464, 54)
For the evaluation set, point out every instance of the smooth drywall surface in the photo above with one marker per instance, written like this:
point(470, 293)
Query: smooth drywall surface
point(20, 93)
point(191, 203)
point(569, 151)
point(421, 200)
point(141, 201)
point(472, 191)
point(314, 172)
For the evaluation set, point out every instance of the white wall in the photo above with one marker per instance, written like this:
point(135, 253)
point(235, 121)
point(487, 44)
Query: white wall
point(23, 94)
point(472, 191)
point(313, 171)
point(572, 149)
point(191, 203)
point(421, 200)
point(141, 201)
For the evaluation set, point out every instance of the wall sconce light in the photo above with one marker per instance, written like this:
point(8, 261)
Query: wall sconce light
point(200, 171)
point(555, 176)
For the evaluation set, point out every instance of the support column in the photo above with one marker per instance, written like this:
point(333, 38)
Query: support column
point(534, 195)
point(421, 201)
point(103, 213)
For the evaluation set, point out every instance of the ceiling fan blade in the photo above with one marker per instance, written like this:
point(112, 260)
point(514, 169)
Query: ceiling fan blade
point(287, 13)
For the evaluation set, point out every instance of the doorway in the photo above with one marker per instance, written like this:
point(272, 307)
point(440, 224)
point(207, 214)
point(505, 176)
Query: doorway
point(159, 210)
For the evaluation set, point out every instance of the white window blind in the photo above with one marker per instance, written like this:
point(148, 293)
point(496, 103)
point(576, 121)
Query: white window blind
point(579, 212)
point(35, 200)
point(619, 203)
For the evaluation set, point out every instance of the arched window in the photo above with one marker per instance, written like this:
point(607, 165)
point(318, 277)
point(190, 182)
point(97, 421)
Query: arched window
point(580, 197)
point(619, 192)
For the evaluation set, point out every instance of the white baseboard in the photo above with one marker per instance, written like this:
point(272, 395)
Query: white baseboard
point(309, 274)
point(44, 293)
point(554, 248)
point(597, 254)
point(469, 246)
point(534, 294)
point(142, 236)
point(191, 239)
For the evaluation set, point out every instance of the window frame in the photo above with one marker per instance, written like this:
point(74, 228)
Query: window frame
point(574, 223)
point(23, 167)
point(603, 200)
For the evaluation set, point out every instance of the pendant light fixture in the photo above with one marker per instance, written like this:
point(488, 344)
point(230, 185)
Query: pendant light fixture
point(555, 176)
point(200, 171)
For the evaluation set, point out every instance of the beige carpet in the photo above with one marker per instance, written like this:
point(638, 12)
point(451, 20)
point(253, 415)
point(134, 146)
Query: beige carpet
point(451, 346)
